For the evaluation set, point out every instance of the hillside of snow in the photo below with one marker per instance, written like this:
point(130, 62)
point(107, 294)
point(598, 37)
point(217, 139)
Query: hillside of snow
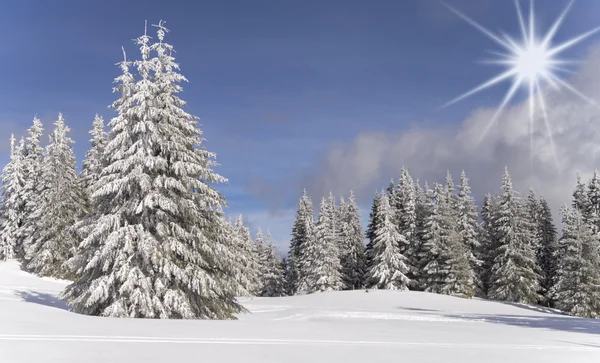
point(349, 326)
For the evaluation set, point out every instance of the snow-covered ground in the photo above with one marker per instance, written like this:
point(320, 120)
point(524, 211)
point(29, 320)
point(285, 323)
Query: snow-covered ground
point(353, 326)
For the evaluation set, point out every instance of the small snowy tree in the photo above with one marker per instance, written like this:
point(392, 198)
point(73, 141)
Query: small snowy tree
point(580, 198)
point(547, 252)
point(352, 246)
point(388, 269)
point(373, 225)
point(162, 247)
point(577, 289)
point(514, 273)
point(273, 279)
point(12, 205)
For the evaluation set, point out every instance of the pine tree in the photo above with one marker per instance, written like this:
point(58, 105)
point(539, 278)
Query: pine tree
point(580, 198)
point(514, 273)
point(421, 214)
point(352, 246)
point(388, 269)
point(162, 245)
point(12, 205)
point(62, 204)
point(322, 258)
point(547, 252)
point(92, 168)
point(32, 190)
point(301, 234)
point(247, 259)
point(489, 239)
point(577, 290)
point(468, 228)
point(373, 225)
point(406, 219)
point(592, 212)
point(273, 279)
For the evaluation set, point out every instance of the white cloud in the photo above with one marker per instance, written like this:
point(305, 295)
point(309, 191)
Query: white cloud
point(371, 158)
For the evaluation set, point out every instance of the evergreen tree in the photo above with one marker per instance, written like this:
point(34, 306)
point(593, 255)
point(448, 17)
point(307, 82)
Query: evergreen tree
point(32, 190)
point(162, 246)
point(580, 199)
point(12, 204)
point(592, 213)
point(547, 252)
point(373, 225)
point(421, 214)
point(406, 219)
point(489, 239)
point(514, 273)
point(352, 247)
point(273, 279)
point(323, 267)
point(247, 259)
point(468, 228)
point(577, 290)
point(62, 204)
point(301, 234)
point(389, 269)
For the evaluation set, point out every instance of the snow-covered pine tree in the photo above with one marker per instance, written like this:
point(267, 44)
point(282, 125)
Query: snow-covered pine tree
point(388, 269)
point(577, 289)
point(90, 174)
point(12, 205)
point(593, 199)
point(62, 204)
point(547, 252)
point(93, 163)
point(468, 228)
point(489, 238)
point(580, 198)
point(391, 190)
point(532, 210)
point(248, 259)
point(301, 233)
point(514, 274)
point(33, 188)
point(322, 260)
point(273, 280)
point(352, 247)
point(406, 220)
point(373, 225)
point(421, 214)
point(163, 247)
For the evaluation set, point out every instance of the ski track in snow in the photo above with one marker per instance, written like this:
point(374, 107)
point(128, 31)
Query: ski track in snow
point(246, 341)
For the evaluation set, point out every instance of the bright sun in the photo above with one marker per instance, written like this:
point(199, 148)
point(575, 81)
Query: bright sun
point(531, 63)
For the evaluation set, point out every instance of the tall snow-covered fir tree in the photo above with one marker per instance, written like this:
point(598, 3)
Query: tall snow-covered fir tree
point(352, 254)
point(33, 188)
point(373, 225)
point(592, 212)
point(406, 220)
point(62, 205)
point(388, 269)
point(489, 238)
point(12, 204)
point(323, 268)
point(548, 249)
point(514, 273)
point(580, 199)
point(577, 289)
point(302, 233)
point(468, 228)
point(93, 165)
point(162, 246)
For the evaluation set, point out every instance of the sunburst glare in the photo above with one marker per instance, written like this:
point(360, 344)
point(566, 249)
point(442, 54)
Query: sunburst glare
point(531, 63)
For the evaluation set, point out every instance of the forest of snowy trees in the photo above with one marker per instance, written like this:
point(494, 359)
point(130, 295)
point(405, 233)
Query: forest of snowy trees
point(141, 230)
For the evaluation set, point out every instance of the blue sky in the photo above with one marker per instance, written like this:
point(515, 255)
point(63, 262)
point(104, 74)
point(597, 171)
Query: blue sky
point(275, 83)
